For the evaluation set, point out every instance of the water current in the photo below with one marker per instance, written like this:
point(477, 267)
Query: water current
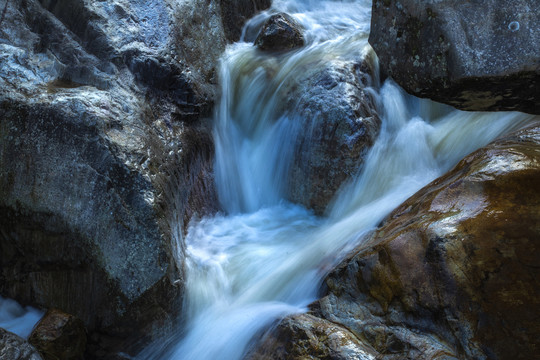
point(264, 257)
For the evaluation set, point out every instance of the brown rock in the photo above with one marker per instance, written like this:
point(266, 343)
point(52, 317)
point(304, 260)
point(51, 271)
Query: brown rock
point(59, 336)
point(452, 273)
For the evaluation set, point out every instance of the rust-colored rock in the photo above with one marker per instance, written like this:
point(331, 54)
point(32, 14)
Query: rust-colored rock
point(59, 336)
point(453, 272)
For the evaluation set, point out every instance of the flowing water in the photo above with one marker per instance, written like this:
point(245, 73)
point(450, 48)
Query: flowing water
point(17, 319)
point(265, 257)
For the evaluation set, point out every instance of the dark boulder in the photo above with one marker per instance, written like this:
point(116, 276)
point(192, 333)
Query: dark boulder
point(474, 55)
point(280, 33)
point(339, 123)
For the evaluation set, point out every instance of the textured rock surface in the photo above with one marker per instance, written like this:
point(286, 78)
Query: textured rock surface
point(280, 33)
point(59, 336)
point(104, 156)
point(340, 124)
point(474, 55)
point(451, 273)
point(13, 347)
point(314, 338)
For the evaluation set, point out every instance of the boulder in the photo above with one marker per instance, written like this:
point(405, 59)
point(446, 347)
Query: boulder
point(474, 55)
point(339, 123)
point(13, 347)
point(59, 336)
point(451, 273)
point(235, 13)
point(280, 33)
point(106, 154)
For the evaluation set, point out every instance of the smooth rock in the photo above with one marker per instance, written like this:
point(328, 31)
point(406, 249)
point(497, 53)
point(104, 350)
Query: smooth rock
point(280, 33)
point(339, 123)
point(452, 273)
point(59, 336)
point(474, 55)
point(13, 347)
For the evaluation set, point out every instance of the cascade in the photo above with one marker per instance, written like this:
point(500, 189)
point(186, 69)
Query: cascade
point(265, 257)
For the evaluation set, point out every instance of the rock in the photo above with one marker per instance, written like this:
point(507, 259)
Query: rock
point(59, 336)
point(105, 155)
point(235, 13)
point(13, 347)
point(314, 338)
point(280, 33)
point(440, 50)
point(340, 123)
point(451, 273)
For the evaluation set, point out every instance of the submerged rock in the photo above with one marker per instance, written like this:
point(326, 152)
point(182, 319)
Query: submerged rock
point(104, 157)
point(280, 33)
point(13, 347)
point(451, 273)
point(339, 123)
point(472, 55)
point(59, 336)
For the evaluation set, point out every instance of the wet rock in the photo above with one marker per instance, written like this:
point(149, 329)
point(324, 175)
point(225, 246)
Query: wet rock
point(451, 274)
point(13, 347)
point(280, 33)
point(59, 336)
point(339, 123)
point(314, 338)
point(105, 155)
point(441, 50)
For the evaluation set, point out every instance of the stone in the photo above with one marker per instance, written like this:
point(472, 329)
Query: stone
point(106, 153)
point(235, 13)
point(451, 273)
point(441, 50)
point(59, 336)
point(13, 347)
point(340, 123)
point(314, 338)
point(280, 33)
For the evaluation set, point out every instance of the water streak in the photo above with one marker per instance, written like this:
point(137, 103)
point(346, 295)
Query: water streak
point(266, 257)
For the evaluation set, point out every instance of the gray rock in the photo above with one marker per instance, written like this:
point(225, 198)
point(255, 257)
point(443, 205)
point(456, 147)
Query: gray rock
point(13, 347)
point(105, 156)
point(474, 55)
point(280, 33)
point(340, 123)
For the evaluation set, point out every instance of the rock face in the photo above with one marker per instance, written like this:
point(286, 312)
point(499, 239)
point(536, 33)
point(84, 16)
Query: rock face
point(474, 55)
point(13, 347)
point(280, 33)
point(59, 336)
point(339, 122)
point(104, 157)
point(451, 273)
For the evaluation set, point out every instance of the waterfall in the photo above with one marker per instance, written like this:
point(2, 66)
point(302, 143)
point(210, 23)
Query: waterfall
point(266, 257)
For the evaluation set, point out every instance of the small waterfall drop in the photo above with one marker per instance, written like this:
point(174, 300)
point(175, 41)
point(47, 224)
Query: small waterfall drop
point(266, 257)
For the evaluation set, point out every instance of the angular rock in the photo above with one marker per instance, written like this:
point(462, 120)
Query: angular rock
point(105, 155)
point(59, 336)
point(340, 123)
point(280, 33)
point(474, 55)
point(13, 347)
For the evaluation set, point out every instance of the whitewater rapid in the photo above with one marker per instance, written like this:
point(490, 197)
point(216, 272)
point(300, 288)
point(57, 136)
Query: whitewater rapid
point(264, 257)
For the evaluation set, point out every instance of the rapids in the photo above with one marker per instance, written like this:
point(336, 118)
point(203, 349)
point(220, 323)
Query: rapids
point(264, 258)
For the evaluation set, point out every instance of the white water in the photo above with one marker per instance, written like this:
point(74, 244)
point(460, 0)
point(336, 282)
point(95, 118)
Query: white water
point(266, 258)
point(17, 319)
